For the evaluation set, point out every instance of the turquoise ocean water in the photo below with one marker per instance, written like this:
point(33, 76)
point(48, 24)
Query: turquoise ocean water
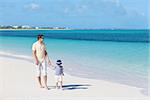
point(114, 55)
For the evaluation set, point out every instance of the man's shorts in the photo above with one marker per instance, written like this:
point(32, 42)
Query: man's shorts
point(41, 69)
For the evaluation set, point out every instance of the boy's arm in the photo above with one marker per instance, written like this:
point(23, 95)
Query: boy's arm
point(63, 71)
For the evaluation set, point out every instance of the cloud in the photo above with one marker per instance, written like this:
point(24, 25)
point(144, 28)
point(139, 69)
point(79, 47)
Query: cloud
point(95, 8)
point(136, 13)
point(112, 7)
point(81, 8)
point(32, 6)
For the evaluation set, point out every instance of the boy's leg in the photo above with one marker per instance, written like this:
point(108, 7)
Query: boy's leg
point(61, 85)
point(56, 85)
point(61, 81)
point(56, 81)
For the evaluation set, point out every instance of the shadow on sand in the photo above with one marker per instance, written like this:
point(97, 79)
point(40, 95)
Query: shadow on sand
point(72, 86)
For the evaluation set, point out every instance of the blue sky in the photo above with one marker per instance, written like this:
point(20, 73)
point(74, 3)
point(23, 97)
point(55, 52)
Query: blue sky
point(126, 14)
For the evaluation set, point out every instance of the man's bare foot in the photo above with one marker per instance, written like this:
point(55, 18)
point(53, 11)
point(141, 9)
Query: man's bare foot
point(47, 88)
point(41, 86)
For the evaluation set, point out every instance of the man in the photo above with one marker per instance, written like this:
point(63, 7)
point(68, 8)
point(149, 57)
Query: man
point(39, 54)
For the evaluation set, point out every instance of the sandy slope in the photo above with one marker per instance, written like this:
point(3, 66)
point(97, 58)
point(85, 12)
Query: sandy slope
point(18, 82)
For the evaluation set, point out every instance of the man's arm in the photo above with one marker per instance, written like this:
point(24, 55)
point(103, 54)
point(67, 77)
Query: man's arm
point(35, 57)
point(46, 55)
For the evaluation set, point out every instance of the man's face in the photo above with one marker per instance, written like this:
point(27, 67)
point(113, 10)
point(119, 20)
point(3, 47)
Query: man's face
point(41, 39)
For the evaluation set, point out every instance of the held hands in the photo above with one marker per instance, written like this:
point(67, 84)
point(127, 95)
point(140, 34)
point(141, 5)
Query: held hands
point(51, 65)
point(49, 62)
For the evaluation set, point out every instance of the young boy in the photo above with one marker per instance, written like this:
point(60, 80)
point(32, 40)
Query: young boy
point(59, 74)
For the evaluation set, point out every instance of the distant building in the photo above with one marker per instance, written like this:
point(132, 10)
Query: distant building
point(55, 27)
point(36, 27)
point(15, 27)
point(26, 26)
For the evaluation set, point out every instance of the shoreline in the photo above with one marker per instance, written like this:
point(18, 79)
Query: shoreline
point(30, 29)
point(78, 87)
point(71, 29)
point(28, 57)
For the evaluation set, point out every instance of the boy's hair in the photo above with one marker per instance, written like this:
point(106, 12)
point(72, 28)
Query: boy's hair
point(40, 36)
point(58, 62)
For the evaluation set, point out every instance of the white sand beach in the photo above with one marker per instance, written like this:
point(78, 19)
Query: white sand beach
point(18, 82)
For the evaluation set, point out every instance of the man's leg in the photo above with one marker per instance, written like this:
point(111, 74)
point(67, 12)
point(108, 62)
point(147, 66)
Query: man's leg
point(44, 73)
point(38, 69)
point(39, 81)
point(45, 81)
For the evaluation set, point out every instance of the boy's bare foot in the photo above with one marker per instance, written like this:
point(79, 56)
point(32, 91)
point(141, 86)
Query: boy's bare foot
point(57, 87)
point(61, 87)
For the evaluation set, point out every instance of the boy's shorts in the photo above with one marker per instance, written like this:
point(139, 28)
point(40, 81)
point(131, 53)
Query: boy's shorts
point(58, 78)
point(41, 69)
